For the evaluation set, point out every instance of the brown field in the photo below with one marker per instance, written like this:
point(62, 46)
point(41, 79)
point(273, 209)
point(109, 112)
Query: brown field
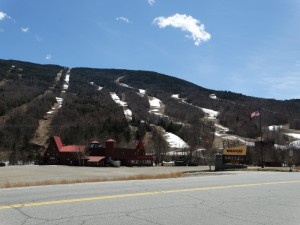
point(33, 175)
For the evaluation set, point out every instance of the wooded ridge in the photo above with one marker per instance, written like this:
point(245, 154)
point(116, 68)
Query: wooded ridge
point(28, 91)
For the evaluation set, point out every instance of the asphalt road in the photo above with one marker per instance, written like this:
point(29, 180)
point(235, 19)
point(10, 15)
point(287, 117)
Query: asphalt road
point(234, 198)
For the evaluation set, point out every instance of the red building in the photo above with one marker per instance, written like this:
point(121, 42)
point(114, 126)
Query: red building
point(57, 154)
point(125, 156)
point(96, 154)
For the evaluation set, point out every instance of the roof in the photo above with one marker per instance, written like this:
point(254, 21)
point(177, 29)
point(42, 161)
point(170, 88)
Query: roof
point(140, 145)
point(95, 142)
point(73, 148)
point(110, 140)
point(58, 142)
point(95, 158)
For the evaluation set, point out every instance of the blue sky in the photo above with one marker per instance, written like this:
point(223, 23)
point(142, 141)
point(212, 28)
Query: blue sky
point(250, 47)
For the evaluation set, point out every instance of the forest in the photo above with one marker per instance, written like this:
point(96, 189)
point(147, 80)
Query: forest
point(88, 112)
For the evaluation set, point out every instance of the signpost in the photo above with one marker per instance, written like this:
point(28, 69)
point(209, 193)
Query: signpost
point(238, 150)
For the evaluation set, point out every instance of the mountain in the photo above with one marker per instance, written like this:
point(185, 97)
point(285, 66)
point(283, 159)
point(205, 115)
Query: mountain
point(84, 104)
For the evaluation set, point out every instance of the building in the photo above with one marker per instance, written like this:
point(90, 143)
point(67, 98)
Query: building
point(95, 154)
point(123, 156)
point(58, 154)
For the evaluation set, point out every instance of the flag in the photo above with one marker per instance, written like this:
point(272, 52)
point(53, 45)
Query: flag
point(254, 114)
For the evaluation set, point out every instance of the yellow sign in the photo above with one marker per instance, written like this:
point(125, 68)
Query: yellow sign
point(239, 150)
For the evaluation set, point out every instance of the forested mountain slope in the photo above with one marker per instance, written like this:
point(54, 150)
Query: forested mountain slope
point(88, 111)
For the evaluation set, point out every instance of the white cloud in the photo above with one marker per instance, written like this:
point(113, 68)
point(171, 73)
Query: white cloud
point(25, 29)
point(4, 16)
point(151, 2)
point(48, 57)
point(187, 24)
point(123, 19)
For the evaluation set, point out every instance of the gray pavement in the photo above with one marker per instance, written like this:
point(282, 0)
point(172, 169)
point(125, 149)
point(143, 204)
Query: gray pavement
point(266, 198)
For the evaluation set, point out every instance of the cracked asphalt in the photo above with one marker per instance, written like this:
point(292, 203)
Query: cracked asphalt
point(267, 198)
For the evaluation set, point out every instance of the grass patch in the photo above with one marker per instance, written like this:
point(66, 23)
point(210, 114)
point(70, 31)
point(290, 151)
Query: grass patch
point(87, 180)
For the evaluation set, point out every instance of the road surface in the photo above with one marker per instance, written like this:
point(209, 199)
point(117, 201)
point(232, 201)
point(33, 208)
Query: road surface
point(231, 198)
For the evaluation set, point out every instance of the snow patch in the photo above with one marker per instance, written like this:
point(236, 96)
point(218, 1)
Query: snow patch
point(117, 100)
point(174, 141)
point(155, 102)
point(282, 147)
point(248, 143)
point(127, 112)
point(125, 85)
point(93, 84)
point(213, 96)
point(141, 92)
point(295, 144)
point(59, 101)
point(225, 129)
point(275, 127)
point(212, 114)
point(67, 80)
point(297, 136)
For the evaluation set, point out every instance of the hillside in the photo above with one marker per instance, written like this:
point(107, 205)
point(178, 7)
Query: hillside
point(171, 115)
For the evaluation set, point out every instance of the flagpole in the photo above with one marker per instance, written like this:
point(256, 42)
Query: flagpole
point(261, 142)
